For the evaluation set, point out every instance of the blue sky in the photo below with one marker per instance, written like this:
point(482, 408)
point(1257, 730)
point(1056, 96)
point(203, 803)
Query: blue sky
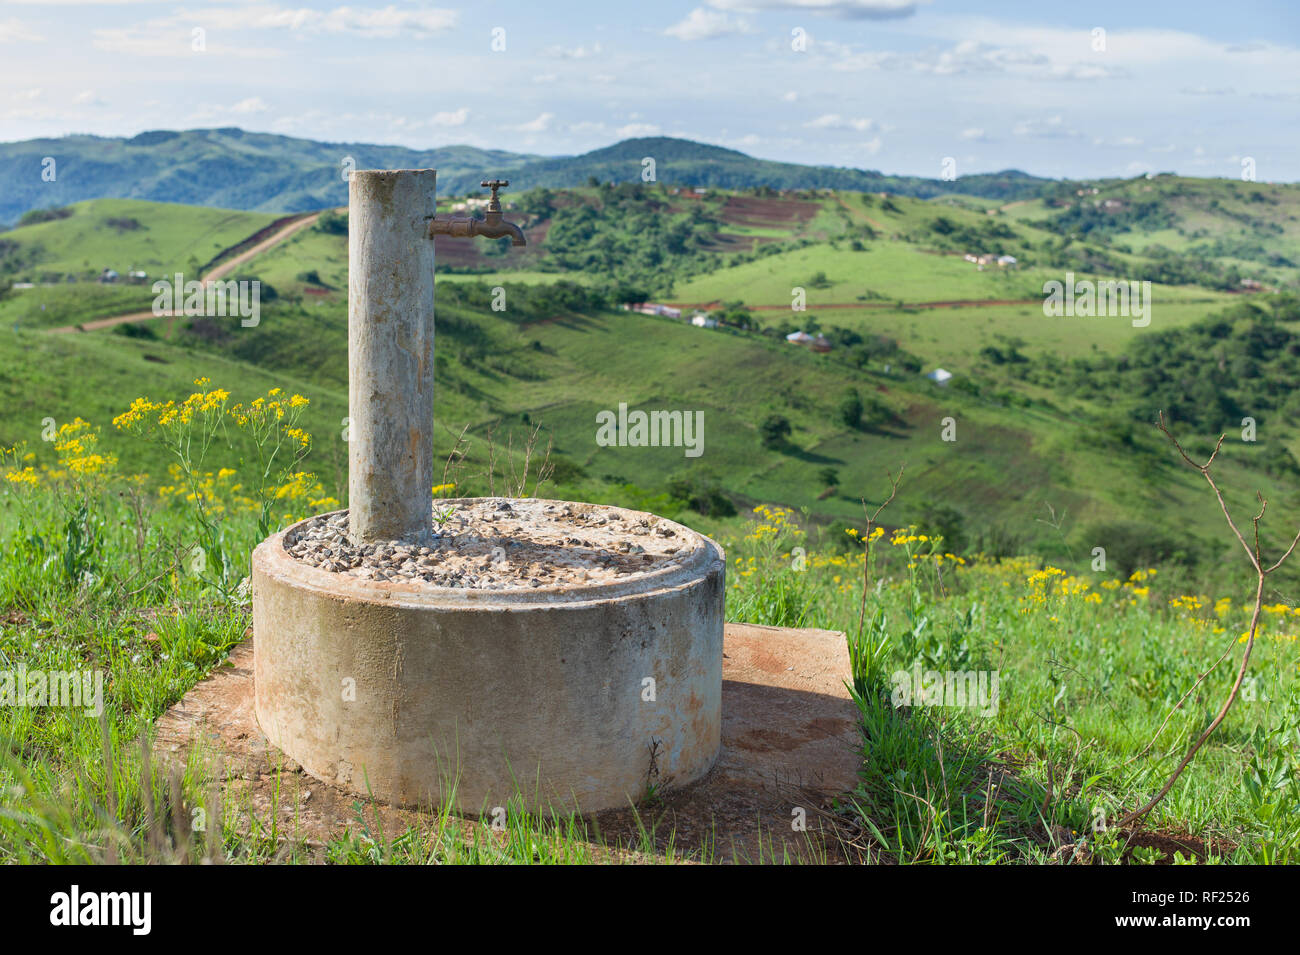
point(895, 85)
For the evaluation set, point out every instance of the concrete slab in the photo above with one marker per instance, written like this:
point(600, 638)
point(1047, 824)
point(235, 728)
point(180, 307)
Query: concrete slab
point(790, 745)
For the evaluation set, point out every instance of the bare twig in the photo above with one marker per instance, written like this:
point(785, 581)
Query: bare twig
point(1256, 561)
point(455, 456)
point(866, 540)
point(1183, 699)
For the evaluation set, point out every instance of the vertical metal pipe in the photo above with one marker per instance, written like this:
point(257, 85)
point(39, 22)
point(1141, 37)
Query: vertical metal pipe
point(390, 355)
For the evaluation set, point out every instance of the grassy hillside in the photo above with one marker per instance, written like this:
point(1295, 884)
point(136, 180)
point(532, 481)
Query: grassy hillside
point(700, 164)
point(1251, 227)
point(232, 168)
point(227, 168)
point(557, 355)
point(1038, 453)
point(509, 373)
point(83, 239)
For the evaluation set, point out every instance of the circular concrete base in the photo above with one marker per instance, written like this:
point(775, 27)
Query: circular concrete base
point(561, 697)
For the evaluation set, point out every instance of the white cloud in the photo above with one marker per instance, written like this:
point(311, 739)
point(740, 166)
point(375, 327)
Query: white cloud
point(573, 52)
point(13, 31)
point(539, 125)
point(452, 118)
point(157, 40)
point(1053, 127)
point(391, 21)
point(386, 22)
point(701, 24)
point(975, 134)
point(246, 107)
point(87, 98)
point(844, 9)
point(632, 130)
point(28, 94)
point(836, 121)
point(790, 97)
point(251, 106)
point(171, 36)
point(965, 57)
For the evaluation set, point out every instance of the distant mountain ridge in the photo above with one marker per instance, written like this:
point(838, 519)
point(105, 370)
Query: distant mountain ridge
point(231, 168)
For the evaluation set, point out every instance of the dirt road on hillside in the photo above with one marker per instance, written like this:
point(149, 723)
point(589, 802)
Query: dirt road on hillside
point(217, 273)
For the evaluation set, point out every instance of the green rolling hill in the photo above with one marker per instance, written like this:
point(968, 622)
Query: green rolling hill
point(1052, 416)
point(262, 172)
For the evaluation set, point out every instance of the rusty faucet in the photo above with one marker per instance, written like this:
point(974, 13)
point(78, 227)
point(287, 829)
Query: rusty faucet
point(491, 226)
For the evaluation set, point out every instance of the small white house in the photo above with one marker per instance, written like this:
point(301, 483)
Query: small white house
point(799, 338)
point(1006, 261)
point(939, 376)
point(654, 308)
point(473, 203)
point(700, 320)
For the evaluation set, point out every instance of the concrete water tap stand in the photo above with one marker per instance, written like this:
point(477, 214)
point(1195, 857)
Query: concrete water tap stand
point(547, 653)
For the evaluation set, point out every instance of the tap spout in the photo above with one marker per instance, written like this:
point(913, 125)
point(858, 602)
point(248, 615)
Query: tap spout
point(491, 226)
point(494, 227)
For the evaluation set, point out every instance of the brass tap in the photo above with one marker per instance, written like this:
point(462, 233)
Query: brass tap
point(491, 226)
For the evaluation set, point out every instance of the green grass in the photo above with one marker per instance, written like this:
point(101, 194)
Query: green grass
point(164, 239)
point(952, 337)
point(1085, 684)
point(57, 306)
point(1032, 471)
point(885, 271)
point(496, 376)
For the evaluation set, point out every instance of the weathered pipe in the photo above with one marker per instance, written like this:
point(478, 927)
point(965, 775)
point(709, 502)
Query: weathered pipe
point(390, 355)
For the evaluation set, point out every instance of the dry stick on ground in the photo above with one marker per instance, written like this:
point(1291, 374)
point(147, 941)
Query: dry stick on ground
point(1179, 705)
point(866, 539)
point(110, 783)
point(455, 457)
point(1256, 561)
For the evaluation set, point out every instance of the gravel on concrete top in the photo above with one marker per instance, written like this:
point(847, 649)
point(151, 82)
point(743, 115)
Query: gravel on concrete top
point(502, 544)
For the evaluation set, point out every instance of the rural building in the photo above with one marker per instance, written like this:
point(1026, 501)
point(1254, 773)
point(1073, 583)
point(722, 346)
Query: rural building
point(653, 308)
point(939, 376)
point(468, 204)
point(819, 343)
point(700, 320)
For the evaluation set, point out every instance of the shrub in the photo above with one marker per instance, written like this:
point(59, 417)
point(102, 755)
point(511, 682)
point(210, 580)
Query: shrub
point(775, 431)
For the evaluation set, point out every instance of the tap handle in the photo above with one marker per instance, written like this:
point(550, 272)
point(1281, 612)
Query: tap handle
point(494, 185)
